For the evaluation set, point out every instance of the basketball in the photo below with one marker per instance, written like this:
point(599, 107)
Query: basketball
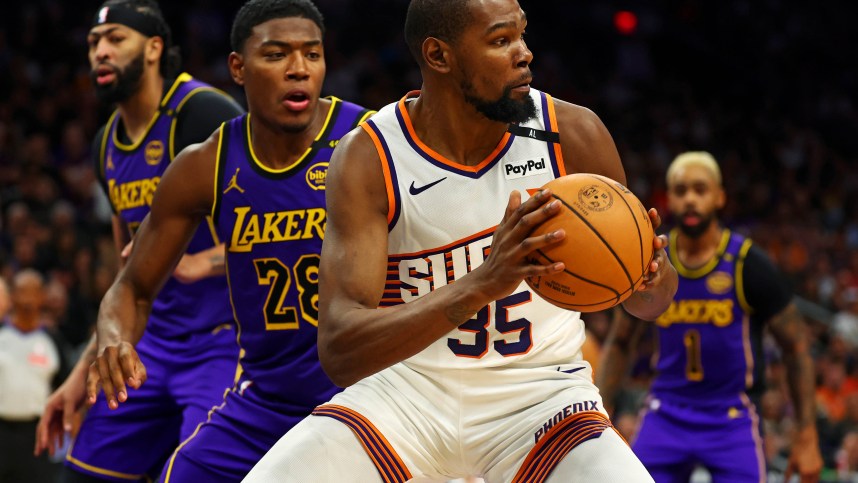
point(607, 248)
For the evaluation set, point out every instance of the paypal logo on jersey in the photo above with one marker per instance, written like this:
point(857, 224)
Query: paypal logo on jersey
point(520, 169)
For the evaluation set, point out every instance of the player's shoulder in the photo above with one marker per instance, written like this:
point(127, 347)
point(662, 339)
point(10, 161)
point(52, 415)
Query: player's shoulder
point(349, 110)
point(210, 100)
point(356, 143)
point(203, 153)
point(577, 119)
point(586, 143)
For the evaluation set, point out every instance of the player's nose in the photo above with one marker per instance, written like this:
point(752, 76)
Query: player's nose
point(297, 68)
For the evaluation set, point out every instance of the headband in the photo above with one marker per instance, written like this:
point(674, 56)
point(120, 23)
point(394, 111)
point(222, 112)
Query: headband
point(147, 24)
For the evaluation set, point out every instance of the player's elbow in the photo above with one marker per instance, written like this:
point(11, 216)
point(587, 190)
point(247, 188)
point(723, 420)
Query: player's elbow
point(333, 356)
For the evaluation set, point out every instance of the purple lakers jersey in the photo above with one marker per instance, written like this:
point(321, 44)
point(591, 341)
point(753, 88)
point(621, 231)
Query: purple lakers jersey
point(273, 223)
point(131, 173)
point(707, 346)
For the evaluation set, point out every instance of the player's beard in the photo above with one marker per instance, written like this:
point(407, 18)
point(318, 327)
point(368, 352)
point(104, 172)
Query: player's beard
point(127, 82)
point(696, 231)
point(505, 109)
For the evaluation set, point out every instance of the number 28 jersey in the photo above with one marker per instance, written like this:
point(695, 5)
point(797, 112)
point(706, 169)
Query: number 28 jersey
point(273, 224)
point(441, 219)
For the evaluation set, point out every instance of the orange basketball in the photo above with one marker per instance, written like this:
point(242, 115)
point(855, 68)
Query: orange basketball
point(608, 244)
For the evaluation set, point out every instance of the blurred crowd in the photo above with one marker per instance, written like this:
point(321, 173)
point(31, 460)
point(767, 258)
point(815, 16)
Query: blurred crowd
point(766, 86)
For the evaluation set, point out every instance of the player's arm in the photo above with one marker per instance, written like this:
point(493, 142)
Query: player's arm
point(769, 297)
point(210, 262)
point(201, 115)
point(589, 148)
point(68, 398)
point(183, 198)
point(617, 352)
point(356, 338)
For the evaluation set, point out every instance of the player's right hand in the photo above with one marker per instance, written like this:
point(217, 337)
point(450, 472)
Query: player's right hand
point(115, 366)
point(59, 414)
point(509, 261)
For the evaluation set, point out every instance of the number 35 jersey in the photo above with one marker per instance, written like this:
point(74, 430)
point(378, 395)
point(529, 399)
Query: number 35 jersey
point(442, 216)
point(273, 224)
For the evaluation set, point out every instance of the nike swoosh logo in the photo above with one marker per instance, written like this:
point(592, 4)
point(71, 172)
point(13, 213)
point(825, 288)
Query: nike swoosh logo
point(416, 191)
point(570, 371)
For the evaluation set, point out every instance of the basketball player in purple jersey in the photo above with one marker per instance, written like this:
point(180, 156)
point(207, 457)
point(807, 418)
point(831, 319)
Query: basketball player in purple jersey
point(261, 178)
point(701, 410)
point(188, 346)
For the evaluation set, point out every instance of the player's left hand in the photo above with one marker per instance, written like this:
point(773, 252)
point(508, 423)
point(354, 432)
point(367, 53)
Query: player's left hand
point(805, 458)
point(660, 265)
point(115, 366)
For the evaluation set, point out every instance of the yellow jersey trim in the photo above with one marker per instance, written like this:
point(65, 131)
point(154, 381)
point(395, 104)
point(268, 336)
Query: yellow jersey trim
point(103, 150)
point(740, 280)
point(105, 472)
point(213, 230)
point(184, 77)
point(173, 124)
point(334, 101)
point(217, 171)
point(705, 269)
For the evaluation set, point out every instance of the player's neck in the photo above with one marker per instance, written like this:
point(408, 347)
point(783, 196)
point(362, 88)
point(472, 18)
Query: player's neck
point(276, 148)
point(696, 252)
point(454, 128)
point(138, 110)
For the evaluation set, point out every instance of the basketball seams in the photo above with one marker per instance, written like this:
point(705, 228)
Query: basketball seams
point(579, 277)
point(612, 301)
point(598, 235)
point(589, 284)
point(634, 218)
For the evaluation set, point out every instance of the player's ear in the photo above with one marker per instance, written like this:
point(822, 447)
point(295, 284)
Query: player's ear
point(236, 67)
point(721, 199)
point(436, 54)
point(154, 49)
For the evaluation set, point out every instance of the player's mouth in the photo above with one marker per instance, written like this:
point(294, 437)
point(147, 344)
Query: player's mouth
point(522, 88)
point(104, 75)
point(296, 100)
point(522, 85)
point(691, 219)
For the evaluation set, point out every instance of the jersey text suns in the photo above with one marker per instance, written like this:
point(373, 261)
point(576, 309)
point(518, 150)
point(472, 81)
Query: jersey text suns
point(412, 276)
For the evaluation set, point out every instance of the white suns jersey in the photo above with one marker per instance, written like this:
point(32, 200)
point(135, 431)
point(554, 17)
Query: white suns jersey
point(442, 216)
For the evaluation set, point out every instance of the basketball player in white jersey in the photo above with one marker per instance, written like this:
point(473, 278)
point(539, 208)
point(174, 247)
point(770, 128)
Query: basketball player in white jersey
point(453, 366)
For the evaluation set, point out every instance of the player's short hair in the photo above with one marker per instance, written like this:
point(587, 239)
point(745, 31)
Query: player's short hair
point(148, 19)
point(442, 19)
point(694, 158)
point(256, 12)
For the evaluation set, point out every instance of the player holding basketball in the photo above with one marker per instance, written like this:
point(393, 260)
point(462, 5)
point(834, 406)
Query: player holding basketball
point(261, 177)
point(453, 366)
point(710, 363)
point(189, 345)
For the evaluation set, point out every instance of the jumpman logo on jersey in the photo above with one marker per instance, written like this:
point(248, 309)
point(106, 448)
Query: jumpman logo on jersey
point(233, 183)
point(109, 164)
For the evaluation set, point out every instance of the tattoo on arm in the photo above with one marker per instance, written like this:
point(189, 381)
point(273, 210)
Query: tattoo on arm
point(217, 261)
point(459, 313)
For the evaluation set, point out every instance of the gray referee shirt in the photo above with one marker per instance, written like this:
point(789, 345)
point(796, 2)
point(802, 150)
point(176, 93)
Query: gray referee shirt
point(28, 363)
